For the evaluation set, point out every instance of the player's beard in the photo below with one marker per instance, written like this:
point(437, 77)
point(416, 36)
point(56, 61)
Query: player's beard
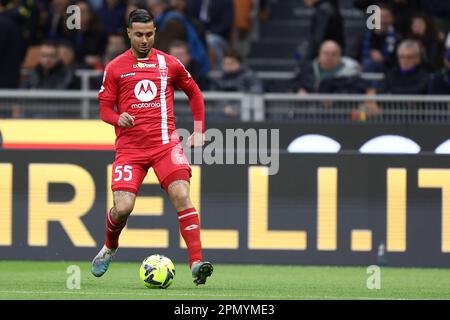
point(142, 52)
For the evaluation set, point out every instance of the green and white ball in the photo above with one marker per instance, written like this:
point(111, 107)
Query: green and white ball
point(157, 271)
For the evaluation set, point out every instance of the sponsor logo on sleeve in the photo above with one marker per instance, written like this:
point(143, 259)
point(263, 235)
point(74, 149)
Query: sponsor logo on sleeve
point(126, 75)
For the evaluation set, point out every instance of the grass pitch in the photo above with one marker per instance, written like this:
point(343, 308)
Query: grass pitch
point(27, 280)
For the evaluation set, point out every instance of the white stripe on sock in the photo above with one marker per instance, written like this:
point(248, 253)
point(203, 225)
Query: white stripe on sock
point(187, 215)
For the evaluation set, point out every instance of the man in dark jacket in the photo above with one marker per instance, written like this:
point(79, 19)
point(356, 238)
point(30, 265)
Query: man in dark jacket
point(408, 77)
point(330, 72)
point(378, 47)
point(50, 73)
point(326, 24)
point(236, 77)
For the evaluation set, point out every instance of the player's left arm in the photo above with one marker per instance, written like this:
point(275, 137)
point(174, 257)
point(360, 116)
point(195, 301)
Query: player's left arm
point(185, 82)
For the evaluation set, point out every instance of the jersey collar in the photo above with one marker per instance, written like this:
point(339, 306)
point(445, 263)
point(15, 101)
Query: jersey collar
point(130, 53)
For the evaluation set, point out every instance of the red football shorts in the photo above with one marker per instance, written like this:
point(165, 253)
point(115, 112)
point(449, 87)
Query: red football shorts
point(131, 165)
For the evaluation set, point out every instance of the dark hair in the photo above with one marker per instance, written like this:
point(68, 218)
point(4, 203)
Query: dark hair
point(431, 31)
point(50, 43)
point(66, 44)
point(139, 15)
point(234, 55)
point(178, 44)
point(386, 6)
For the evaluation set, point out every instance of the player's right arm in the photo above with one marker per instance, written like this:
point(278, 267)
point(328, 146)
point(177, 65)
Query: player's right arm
point(107, 96)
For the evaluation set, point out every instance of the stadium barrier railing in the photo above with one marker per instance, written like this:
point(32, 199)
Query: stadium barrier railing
point(323, 108)
point(233, 106)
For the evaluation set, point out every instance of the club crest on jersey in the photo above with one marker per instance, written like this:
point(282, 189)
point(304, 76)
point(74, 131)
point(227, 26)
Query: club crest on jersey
point(141, 65)
point(145, 90)
point(163, 71)
point(179, 158)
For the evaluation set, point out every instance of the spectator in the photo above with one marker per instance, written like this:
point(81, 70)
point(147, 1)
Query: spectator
point(440, 81)
point(10, 51)
point(66, 53)
point(408, 77)
point(217, 16)
point(116, 43)
point(50, 73)
point(175, 24)
point(378, 52)
point(439, 11)
point(422, 30)
point(180, 50)
point(57, 19)
point(169, 28)
point(326, 24)
point(242, 26)
point(236, 78)
point(402, 10)
point(330, 73)
point(110, 15)
point(90, 40)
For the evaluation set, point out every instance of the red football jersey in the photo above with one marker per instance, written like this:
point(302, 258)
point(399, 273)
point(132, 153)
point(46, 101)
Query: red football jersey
point(144, 88)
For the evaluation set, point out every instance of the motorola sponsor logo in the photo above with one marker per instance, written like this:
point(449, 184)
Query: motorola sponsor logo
point(144, 105)
point(146, 91)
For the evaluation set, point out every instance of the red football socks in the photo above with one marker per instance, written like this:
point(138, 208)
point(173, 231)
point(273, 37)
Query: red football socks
point(113, 230)
point(190, 231)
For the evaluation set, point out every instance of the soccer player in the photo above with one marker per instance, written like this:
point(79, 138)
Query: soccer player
point(141, 83)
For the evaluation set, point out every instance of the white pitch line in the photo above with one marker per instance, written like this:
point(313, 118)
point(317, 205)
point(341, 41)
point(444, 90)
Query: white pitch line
point(75, 292)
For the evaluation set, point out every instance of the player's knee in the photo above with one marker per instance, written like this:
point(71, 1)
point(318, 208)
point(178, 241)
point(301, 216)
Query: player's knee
point(124, 207)
point(181, 199)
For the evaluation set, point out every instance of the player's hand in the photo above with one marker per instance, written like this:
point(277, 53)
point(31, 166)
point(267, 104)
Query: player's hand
point(125, 120)
point(196, 139)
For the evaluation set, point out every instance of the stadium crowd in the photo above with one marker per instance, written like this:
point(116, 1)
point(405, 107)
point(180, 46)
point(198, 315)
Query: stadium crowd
point(35, 36)
point(411, 47)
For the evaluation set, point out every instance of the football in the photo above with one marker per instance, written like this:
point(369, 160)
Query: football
point(157, 271)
